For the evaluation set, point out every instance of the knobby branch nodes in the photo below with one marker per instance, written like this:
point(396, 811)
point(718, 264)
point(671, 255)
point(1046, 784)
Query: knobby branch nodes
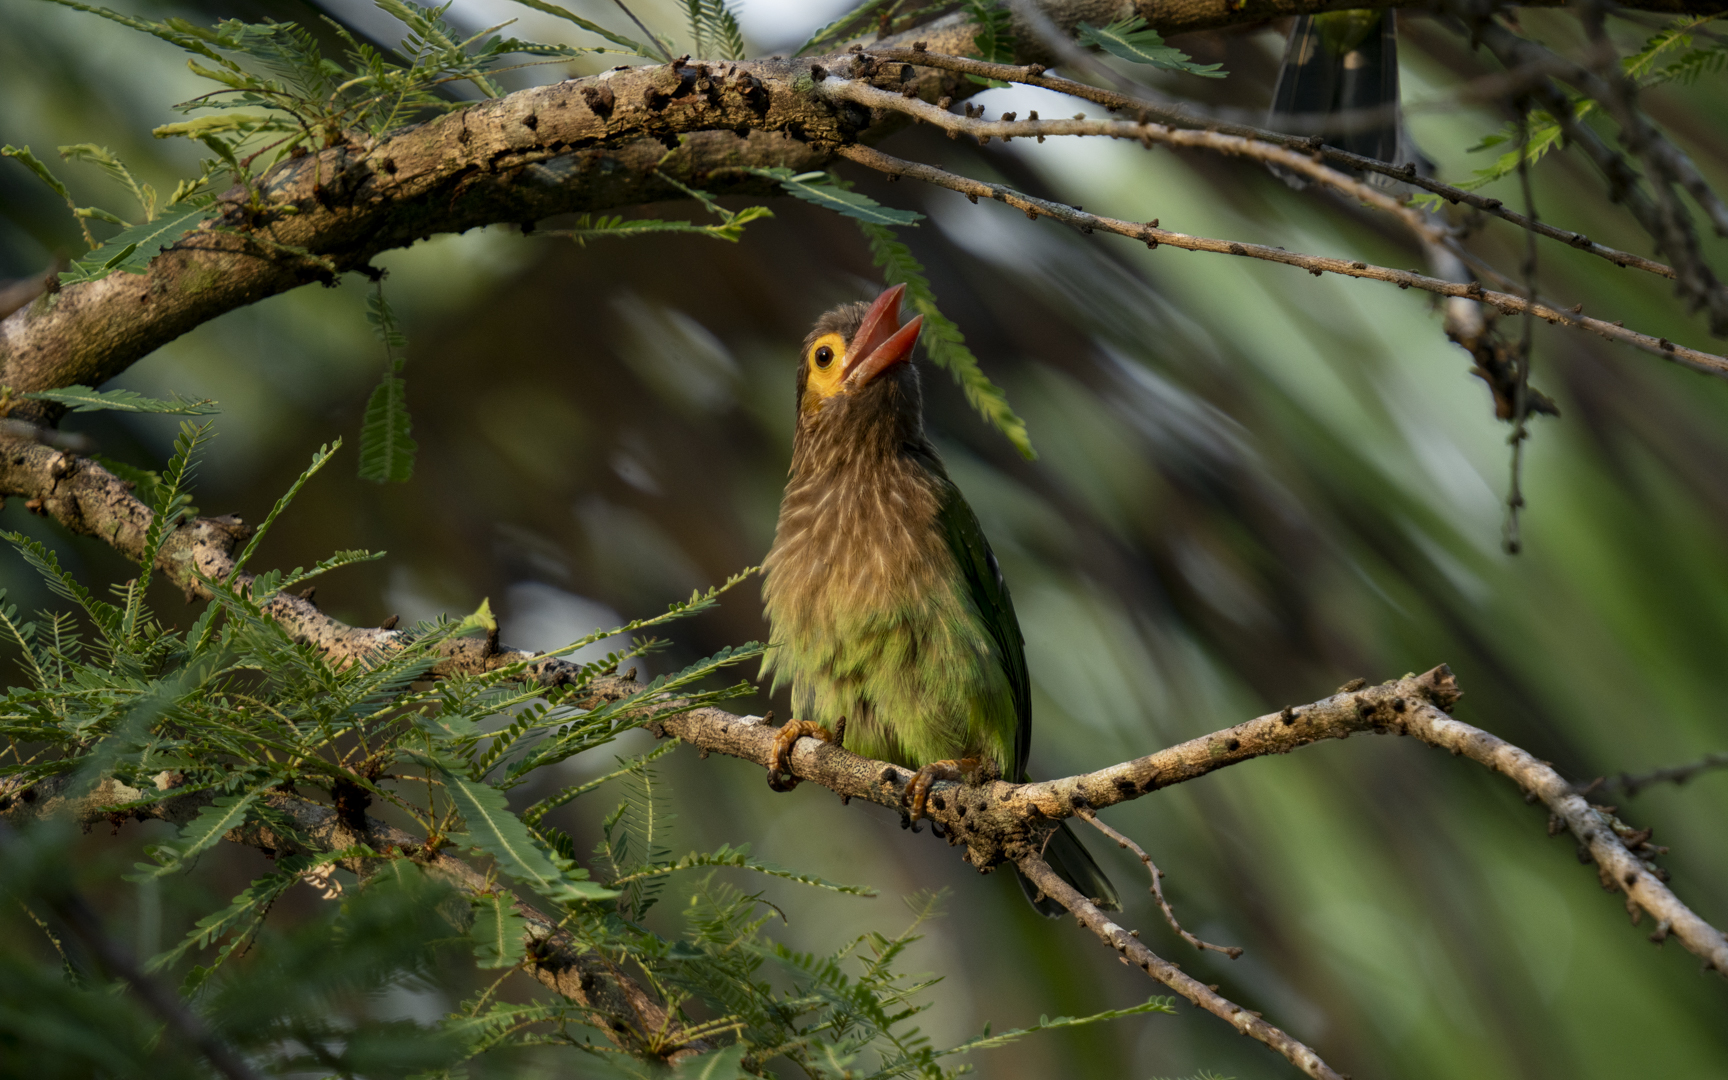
point(1153, 236)
point(1274, 150)
point(1186, 117)
point(995, 822)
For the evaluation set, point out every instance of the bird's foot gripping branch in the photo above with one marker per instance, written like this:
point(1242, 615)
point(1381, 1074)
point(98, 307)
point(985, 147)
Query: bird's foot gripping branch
point(995, 822)
point(1000, 822)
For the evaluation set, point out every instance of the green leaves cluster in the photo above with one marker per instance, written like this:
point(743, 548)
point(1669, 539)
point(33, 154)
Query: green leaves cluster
point(387, 447)
point(1653, 65)
point(1132, 40)
point(714, 30)
point(994, 39)
point(278, 94)
point(258, 724)
point(730, 227)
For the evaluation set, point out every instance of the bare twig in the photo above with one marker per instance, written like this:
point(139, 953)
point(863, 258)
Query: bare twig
point(1631, 785)
point(1146, 133)
point(1665, 219)
point(1508, 303)
point(1036, 75)
point(1135, 954)
point(1122, 841)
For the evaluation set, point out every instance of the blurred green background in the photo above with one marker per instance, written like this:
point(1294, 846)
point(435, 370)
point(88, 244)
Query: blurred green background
point(1253, 486)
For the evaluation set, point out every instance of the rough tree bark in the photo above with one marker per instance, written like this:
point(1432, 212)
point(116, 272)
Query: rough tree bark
point(582, 145)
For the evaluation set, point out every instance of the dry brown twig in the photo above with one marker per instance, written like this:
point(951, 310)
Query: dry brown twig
point(1147, 134)
point(1037, 75)
point(1157, 888)
point(1631, 784)
point(996, 822)
point(1152, 235)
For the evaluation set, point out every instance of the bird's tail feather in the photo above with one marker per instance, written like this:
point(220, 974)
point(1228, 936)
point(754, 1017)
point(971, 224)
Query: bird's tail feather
point(1073, 864)
point(1341, 63)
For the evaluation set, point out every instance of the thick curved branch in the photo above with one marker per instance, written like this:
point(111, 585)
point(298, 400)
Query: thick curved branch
point(582, 145)
point(1508, 303)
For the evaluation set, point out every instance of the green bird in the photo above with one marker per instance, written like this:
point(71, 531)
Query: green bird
point(890, 619)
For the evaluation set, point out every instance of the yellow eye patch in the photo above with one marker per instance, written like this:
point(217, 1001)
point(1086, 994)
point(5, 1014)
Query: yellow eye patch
point(825, 364)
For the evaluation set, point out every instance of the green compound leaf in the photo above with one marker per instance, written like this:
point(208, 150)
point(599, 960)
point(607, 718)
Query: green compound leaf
point(386, 449)
point(497, 931)
point(212, 823)
point(495, 830)
point(599, 227)
point(726, 1064)
point(83, 399)
point(830, 196)
point(132, 250)
point(1131, 39)
point(994, 39)
point(635, 47)
point(943, 342)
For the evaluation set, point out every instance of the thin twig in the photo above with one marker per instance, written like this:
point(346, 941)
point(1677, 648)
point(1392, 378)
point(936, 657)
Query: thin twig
point(1521, 386)
point(1134, 953)
point(642, 26)
point(1152, 236)
point(1035, 75)
point(1672, 774)
point(1145, 133)
point(1232, 951)
point(1664, 218)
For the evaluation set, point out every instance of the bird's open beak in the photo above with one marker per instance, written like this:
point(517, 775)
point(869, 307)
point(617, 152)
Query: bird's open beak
point(881, 342)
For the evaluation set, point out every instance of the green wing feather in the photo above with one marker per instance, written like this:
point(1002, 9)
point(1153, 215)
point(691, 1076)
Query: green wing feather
point(989, 593)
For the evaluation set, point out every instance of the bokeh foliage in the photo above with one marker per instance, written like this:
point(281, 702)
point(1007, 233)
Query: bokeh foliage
point(1253, 485)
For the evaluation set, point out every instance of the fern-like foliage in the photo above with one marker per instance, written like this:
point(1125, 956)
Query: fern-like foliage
point(386, 446)
point(994, 38)
point(714, 30)
point(730, 227)
point(880, 17)
point(1132, 40)
point(276, 94)
point(242, 715)
point(1653, 65)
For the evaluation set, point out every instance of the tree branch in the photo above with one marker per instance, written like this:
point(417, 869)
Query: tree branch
point(1135, 954)
point(1672, 774)
point(1147, 134)
point(996, 822)
point(578, 146)
point(1036, 75)
point(1508, 303)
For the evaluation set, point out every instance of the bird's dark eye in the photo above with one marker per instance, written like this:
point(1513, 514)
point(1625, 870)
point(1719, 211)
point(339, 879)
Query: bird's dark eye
point(824, 356)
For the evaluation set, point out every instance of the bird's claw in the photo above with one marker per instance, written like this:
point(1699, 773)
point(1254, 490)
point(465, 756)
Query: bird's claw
point(780, 776)
point(918, 788)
